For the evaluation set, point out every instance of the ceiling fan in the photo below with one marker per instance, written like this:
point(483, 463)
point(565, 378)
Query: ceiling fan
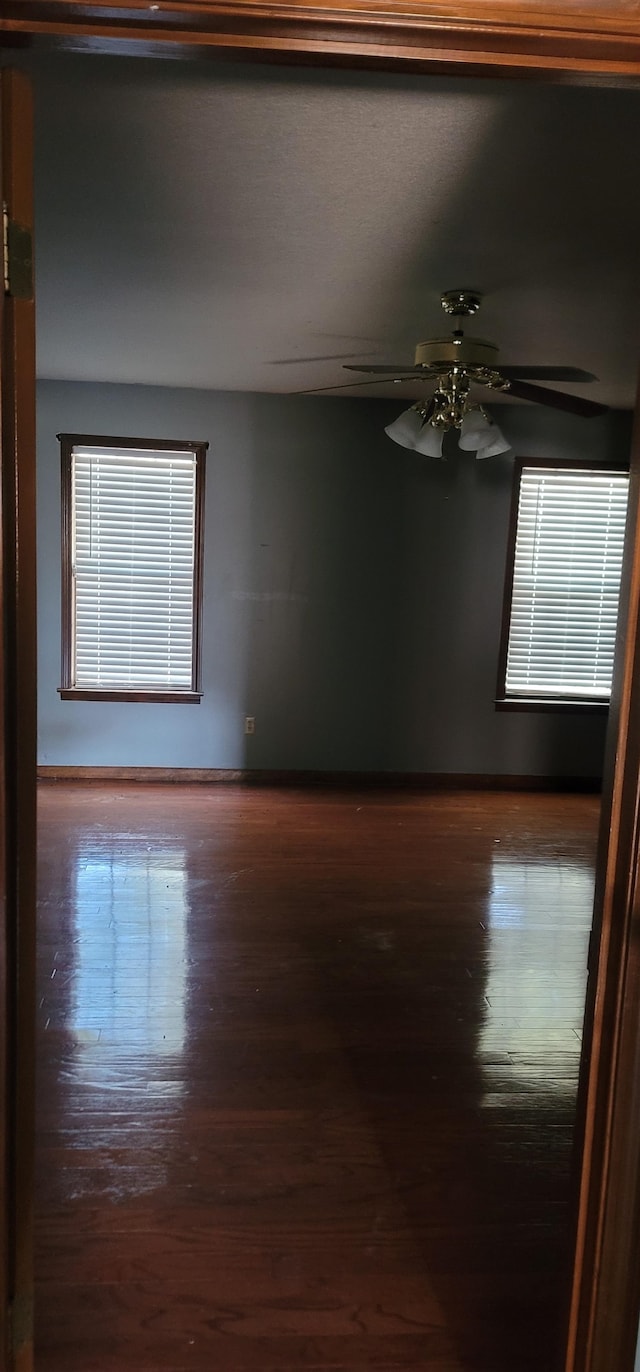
point(474, 361)
point(456, 363)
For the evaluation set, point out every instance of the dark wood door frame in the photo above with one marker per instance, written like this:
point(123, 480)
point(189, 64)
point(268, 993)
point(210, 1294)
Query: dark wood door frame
point(17, 728)
point(603, 1322)
point(569, 40)
point(581, 42)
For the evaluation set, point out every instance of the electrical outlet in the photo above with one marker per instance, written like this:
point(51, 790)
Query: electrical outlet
point(249, 724)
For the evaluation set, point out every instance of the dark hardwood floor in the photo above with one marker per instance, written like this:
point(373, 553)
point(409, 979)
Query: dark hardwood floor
point(307, 1070)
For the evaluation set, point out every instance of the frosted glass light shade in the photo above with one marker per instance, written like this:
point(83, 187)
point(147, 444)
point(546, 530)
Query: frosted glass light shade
point(475, 430)
point(497, 444)
point(480, 432)
point(406, 428)
point(429, 441)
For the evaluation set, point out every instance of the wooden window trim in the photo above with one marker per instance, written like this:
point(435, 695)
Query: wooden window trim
point(67, 690)
point(550, 705)
point(547, 704)
point(134, 697)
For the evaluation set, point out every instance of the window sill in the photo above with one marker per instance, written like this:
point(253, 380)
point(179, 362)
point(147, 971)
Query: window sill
point(547, 705)
point(132, 697)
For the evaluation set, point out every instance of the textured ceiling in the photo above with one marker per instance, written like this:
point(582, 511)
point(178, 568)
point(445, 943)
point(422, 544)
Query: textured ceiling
point(237, 227)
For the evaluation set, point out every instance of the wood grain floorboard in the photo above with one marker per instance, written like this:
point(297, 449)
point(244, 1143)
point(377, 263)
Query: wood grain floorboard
point(306, 1079)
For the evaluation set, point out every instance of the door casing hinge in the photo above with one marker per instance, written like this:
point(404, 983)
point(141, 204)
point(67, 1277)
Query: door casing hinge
point(17, 258)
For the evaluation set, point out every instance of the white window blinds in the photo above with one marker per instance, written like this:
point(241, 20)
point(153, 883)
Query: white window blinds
point(133, 564)
point(566, 582)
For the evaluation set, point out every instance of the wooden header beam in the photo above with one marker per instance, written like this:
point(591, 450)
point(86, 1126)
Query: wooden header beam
point(574, 42)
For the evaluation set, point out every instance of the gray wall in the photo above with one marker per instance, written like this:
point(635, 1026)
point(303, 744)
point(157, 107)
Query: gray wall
point(353, 591)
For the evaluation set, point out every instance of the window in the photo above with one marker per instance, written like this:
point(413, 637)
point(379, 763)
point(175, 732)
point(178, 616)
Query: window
point(564, 585)
point(132, 539)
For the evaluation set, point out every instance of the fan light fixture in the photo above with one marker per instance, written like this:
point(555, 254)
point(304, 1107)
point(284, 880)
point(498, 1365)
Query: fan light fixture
point(424, 425)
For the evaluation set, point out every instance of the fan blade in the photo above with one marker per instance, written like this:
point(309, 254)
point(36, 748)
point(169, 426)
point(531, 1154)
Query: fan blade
point(380, 370)
point(558, 400)
point(546, 373)
point(524, 373)
point(351, 385)
point(322, 357)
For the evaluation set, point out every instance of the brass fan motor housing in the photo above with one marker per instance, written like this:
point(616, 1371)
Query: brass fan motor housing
point(456, 352)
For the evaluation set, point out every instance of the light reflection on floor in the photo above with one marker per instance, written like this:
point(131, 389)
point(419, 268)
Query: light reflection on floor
point(128, 993)
point(122, 989)
point(538, 922)
point(130, 977)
